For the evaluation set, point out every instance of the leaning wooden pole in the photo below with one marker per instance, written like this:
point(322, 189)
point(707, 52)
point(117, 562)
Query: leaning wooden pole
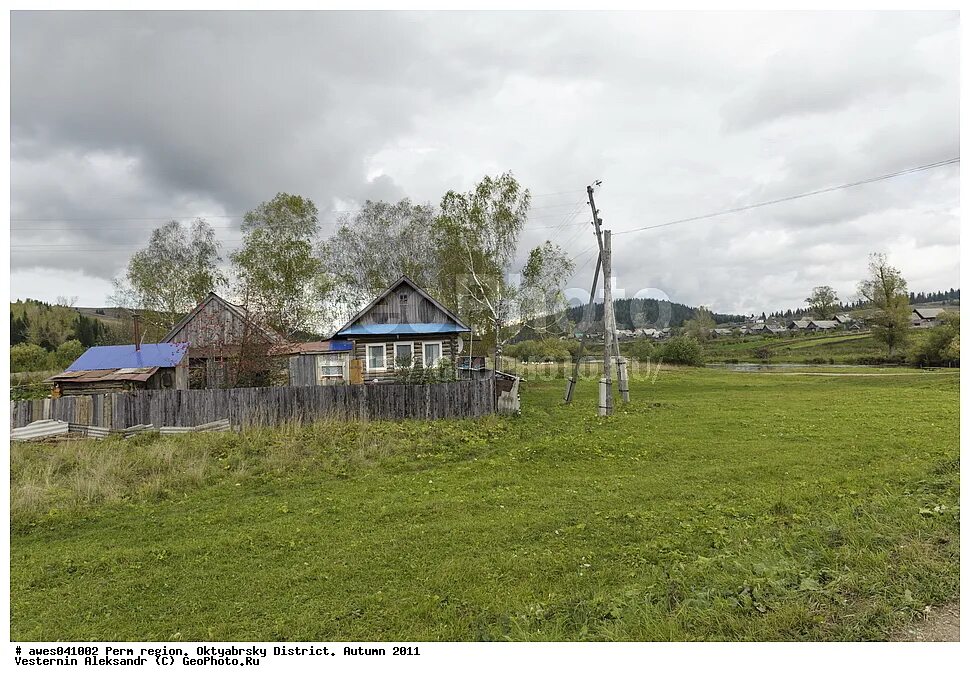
point(588, 315)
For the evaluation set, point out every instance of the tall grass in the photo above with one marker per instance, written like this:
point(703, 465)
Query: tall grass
point(51, 480)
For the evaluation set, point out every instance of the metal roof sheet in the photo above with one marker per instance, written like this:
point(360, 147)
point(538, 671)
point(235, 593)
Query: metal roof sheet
point(119, 357)
point(88, 375)
point(402, 328)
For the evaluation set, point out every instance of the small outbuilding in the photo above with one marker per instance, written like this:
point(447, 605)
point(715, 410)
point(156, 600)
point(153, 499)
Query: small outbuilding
point(110, 369)
point(926, 317)
point(317, 363)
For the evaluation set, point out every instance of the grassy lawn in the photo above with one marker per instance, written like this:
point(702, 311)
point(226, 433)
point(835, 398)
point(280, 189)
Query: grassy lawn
point(841, 348)
point(717, 505)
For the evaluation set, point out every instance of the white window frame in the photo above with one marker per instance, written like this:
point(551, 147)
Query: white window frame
point(424, 353)
point(383, 347)
point(322, 362)
point(409, 344)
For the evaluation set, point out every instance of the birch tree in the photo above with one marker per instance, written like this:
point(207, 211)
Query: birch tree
point(172, 274)
point(374, 246)
point(276, 269)
point(479, 235)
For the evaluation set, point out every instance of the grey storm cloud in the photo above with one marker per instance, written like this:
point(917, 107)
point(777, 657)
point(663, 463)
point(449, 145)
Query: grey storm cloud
point(122, 121)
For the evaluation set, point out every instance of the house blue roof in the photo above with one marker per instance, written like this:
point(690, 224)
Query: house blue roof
point(119, 357)
point(402, 328)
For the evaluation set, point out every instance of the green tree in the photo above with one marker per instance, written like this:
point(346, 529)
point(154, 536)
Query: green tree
point(68, 352)
point(538, 301)
point(824, 301)
point(885, 289)
point(681, 350)
point(89, 331)
point(279, 278)
point(172, 274)
point(479, 236)
point(701, 327)
point(376, 245)
point(49, 325)
point(29, 357)
point(941, 344)
point(19, 328)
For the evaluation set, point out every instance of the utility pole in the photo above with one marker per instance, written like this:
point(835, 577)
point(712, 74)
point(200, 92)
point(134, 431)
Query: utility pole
point(611, 344)
point(587, 322)
point(588, 313)
point(606, 383)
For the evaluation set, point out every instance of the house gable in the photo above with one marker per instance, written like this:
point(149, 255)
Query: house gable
point(403, 308)
point(216, 322)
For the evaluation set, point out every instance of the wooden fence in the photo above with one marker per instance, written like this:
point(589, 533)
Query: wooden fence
point(264, 406)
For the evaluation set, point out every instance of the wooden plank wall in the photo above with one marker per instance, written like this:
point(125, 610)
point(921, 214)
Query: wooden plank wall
point(390, 310)
point(264, 406)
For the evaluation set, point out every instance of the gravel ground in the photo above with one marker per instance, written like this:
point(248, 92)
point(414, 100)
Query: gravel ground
point(942, 624)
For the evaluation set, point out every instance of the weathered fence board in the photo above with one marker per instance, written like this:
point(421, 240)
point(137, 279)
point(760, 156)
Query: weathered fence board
point(263, 406)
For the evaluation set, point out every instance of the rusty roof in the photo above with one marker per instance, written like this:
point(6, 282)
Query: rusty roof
point(140, 374)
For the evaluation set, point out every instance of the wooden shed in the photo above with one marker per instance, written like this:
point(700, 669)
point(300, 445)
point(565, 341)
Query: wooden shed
point(317, 363)
point(218, 332)
point(109, 369)
point(403, 324)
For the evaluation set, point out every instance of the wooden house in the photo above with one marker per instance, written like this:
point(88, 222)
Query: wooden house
point(109, 369)
point(317, 363)
point(822, 325)
point(403, 324)
point(218, 332)
point(926, 317)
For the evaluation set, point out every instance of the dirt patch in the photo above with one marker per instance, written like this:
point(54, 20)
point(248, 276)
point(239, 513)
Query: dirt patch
point(942, 624)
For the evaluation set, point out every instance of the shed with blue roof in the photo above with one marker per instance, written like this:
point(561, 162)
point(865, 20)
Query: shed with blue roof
point(108, 369)
point(404, 325)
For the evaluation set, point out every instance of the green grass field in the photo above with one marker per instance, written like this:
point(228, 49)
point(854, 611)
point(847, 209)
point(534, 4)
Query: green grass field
point(716, 506)
point(839, 348)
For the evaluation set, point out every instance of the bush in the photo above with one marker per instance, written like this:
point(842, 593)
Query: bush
point(941, 345)
point(682, 350)
point(29, 357)
point(641, 350)
point(68, 352)
point(554, 350)
point(764, 353)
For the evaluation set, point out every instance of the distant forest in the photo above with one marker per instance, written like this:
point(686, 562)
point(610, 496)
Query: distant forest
point(49, 325)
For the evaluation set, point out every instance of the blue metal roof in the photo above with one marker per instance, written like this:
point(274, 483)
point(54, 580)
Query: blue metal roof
point(402, 328)
point(118, 357)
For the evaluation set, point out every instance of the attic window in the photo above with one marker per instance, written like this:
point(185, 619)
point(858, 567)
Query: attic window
point(404, 300)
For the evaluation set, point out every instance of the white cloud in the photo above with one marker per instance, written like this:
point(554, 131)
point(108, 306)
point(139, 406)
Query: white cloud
point(145, 115)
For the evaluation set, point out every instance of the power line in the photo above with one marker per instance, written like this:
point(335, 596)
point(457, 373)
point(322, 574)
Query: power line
point(917, 169)
point(127, 246)
point(105, 219)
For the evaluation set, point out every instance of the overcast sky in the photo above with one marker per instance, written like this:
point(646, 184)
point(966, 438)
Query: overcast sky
point(122, 121)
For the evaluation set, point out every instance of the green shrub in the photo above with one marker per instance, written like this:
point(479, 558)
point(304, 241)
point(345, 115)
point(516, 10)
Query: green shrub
point(941, 345)
point(68, 352)
point(641, 349)
point(29, 357)
point(682, 350)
